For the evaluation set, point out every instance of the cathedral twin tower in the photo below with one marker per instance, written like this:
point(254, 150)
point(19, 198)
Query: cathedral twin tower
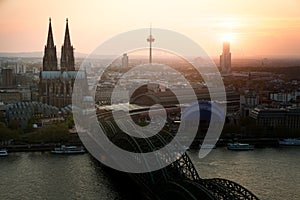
point(56, 86)
point(67, 53)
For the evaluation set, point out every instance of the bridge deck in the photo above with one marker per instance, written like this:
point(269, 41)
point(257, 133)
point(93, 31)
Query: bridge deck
point(179, 180)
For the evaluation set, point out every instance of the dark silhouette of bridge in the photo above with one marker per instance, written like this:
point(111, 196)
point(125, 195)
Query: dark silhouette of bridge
point(178, 180)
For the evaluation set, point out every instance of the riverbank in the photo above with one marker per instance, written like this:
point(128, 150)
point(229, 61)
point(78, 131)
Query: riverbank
point(35, 147)
point(257, 142)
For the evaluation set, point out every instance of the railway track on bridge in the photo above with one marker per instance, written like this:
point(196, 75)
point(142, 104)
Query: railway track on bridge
point(180, 179)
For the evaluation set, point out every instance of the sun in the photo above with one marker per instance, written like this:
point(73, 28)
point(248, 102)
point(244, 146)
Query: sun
point(227, 37)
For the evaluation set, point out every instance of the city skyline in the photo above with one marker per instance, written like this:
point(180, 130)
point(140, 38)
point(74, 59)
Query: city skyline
point(272, 25)
point(145, 95)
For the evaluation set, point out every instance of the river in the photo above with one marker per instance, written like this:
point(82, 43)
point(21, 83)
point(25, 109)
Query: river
point(270, 173)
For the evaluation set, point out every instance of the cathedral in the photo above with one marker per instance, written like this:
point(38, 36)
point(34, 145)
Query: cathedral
point(56, 85)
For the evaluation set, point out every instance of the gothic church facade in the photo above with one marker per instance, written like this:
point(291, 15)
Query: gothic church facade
point(56, 85)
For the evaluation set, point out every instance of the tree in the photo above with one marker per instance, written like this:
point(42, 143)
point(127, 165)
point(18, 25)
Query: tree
point(70, 121)
point(1, 116)
point(53, 133)
point(13, 124)
point(30, 123)
point(8, 134)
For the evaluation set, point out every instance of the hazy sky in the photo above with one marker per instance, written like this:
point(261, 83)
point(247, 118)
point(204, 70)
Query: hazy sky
point(256, 28)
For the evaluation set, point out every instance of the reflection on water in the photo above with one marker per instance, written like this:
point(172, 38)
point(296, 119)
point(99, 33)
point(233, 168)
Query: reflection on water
point(269, 173)
point(47, 176)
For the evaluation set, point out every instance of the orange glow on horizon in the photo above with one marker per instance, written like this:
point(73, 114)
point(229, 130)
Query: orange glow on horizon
point(209, 23)
point(227, 37)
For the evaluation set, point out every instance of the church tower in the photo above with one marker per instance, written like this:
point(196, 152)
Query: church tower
point(56, 86)
point(67, 54)
point(50, 58)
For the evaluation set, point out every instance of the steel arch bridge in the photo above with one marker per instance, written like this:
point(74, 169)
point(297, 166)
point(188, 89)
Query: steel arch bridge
point(179, 180)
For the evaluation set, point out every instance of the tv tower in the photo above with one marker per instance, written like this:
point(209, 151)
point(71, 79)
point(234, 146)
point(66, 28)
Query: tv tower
point(150, 39)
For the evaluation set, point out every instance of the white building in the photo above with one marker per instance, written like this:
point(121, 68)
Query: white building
point(284, 96)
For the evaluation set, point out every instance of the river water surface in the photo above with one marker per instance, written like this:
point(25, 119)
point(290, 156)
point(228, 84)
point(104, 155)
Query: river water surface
point(271, 173)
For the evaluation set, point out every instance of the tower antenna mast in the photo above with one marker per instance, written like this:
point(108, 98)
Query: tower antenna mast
point(150, 39)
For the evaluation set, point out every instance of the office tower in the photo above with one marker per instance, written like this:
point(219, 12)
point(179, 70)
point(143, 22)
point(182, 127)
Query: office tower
point(7, 78)
point(225, 59)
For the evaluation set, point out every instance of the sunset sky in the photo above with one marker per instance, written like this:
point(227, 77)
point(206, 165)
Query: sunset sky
point(262, 28)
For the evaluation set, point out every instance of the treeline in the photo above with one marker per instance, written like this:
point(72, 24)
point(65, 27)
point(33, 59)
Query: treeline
point(9, 134)
point(49, 134)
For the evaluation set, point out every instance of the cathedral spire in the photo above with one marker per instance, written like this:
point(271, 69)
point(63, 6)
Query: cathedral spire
point(50, 59)
point(67, 41)
point(50, 42)
point(67, 54)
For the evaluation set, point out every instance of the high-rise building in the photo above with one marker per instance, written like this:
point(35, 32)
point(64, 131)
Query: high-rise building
point(125, 60)
point(23, 69)
point(7, 78)
point(225, 59)
point(20, 68)
point(56, 86)
point(17, 69)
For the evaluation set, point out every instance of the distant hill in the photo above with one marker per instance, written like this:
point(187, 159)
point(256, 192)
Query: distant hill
point(36, 54)
point(21, 54)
